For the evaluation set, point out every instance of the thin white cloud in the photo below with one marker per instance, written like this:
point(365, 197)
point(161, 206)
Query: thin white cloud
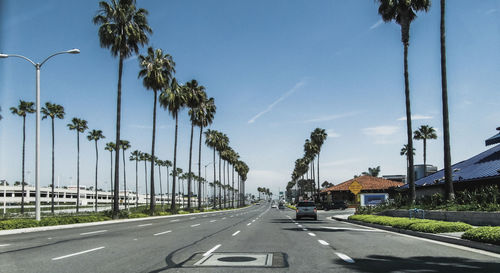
point(377, 24)
point(280, 99)
point(331, 133)
point(331, 117)
point(417, 117)
point(381, 130)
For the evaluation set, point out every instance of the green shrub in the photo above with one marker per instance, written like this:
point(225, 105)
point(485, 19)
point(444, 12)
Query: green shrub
point(50, 221)
point(483, 234)
point(137, 215)
point(422, 225)
point(18, 223)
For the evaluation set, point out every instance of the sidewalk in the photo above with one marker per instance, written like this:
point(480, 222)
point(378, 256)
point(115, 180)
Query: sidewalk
point(451, 238)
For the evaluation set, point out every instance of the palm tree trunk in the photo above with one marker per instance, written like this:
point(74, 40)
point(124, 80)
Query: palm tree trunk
point(199, 169)
point(152, 201)
point(52, 201)
point(136, 184)
point(96, 164)
point(425, 157)
point(161, 190)
point(111, 172)
point(450, 194)
point(220, 181)
point(116, 206)
point(224, 183)
point(189, 168)
point(215, 172)
point(232, 178)
point(319, 181)
point(409, 132)
point(172, 207)
point(146, 181)
point(22, 175)
point(124, 180)
point(168, 184)
point(77, 171)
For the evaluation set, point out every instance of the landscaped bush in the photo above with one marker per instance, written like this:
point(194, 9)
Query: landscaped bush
point(422, 225)
point(483, 234)
point(50, 221)
point(292, 207)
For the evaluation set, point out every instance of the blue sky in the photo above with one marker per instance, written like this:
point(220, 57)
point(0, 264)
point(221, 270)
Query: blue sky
point(277, 70)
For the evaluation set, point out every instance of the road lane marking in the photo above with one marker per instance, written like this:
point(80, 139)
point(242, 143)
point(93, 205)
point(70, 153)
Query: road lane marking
point(160, 233)
point(78, 253)
point(311, 234)
point(304, 229)
point(253, 221)
point(345, 257)
point(143, 225)
point(211, 250)
point(192, 218)
point(195, 225)
point(323, 242)
point(299, 225)
point(223, 218)
point(92, 232)
point(249, 224)
point(211, 221)
point(5, 245)
point(234, 234)
point(352, 229)
point(176, 220)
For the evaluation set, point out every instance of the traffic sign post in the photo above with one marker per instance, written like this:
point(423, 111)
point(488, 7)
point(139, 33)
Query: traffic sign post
point(355, 188)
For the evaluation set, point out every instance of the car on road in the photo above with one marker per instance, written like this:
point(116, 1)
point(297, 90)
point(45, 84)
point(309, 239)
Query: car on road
point(281, 206)
point(339, 204)
point(274, 206)
point(306, 209)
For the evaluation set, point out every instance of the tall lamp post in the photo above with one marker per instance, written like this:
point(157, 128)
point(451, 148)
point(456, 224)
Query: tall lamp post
point(38, 66)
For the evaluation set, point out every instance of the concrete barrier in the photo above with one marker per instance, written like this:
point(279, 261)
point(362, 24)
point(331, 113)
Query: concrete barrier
point(476, 218)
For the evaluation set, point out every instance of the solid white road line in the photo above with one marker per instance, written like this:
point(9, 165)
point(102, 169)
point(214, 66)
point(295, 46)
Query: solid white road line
point(168, 231)
point(78, 253)
point(311, 234)
point(353, 229)
point(5, 245)
point(345, 257)
point(143, 225)
point(211, 221)
point(234, 234)
point(195, 225)
point(249, 224)
point(211, 250)
point(323, 242)
point(92, 232)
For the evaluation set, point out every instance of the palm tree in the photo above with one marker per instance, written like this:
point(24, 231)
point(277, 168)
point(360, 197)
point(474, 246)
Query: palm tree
point(156, 71)
point(424, 133)
point(168, 164)
point(146, 157)
point(53, 111)
point(318, 137)
point(404, 152)
point(136, 156)
point(450, 194)
point(24, 108)
point(160, 163)
point(79, 125)
point(95, 135)
point(195, 95)
point(211, 140)
point(111, 146)
point(173, 98)
point(222, 144)
point(202, 116)
point(404, 12)
point(122, 28)
point(372, 171)
point(124, 145)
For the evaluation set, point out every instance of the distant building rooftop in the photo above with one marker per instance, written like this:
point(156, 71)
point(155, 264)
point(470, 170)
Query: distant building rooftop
point(367, 183)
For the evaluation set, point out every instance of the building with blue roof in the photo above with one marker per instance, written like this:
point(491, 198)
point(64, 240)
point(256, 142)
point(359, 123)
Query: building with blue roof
point(478, 171)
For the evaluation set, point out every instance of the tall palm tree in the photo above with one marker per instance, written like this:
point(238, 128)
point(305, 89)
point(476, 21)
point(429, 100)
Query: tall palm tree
point(95, 135)
point(136, 156)
point(424, 133)
point(53, 111)
point(124, 145)
point(211, 139)
point(202, 116)
point(168, 164)
point(195, 95)
point(404, 152)
point(173, 98)
point(156, 70)
point(222, 144)
point(450, 194)
point(318, 137)
point(404, 12)
point(122, 29)
point(111, 146)
point(79, 125)
point(160, 163)
point(146, 157)
point(24, 108)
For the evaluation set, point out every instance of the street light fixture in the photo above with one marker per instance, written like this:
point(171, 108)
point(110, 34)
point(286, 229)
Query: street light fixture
point(37, 146)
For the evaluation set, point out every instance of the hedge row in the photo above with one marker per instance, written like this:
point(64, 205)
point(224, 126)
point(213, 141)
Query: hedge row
point(483, 234)
point(50, 221)
point(422, 225)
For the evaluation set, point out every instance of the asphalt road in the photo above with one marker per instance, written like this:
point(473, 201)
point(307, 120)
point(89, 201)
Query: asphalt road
point(176, 244)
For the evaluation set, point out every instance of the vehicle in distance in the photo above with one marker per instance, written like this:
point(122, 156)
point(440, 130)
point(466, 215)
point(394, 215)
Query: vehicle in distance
point(306, 209)
point(339, 204)
point(281, 206)
point(274, 206)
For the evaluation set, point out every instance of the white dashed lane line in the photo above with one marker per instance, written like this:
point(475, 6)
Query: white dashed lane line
point(211, 250)
point(93, 232)
point(236, 233)
point(249, 224)
point(78, 253)
point(323, 242)
point(211, 221)
point(345, 257)
point(160, 233)
point(5, 245)
point(195, 225)
point(143, 225)
point(311, 234)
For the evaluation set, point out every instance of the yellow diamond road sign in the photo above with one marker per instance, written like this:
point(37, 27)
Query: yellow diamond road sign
point(355, 187)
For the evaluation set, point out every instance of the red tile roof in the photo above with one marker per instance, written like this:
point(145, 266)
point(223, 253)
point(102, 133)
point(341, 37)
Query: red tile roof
point(367, 183)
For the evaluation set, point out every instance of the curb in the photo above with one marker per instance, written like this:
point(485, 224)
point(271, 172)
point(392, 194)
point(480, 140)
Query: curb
point(431, 236)
point(119, 221)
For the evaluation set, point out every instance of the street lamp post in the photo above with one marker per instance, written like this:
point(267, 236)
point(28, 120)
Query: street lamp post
point(38, 66)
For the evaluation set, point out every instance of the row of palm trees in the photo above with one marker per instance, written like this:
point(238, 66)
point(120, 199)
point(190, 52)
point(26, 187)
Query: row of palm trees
point(264, 191)
point(403, 12)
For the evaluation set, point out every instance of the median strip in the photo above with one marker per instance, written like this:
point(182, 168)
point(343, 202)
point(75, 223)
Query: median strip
point(78, 253)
